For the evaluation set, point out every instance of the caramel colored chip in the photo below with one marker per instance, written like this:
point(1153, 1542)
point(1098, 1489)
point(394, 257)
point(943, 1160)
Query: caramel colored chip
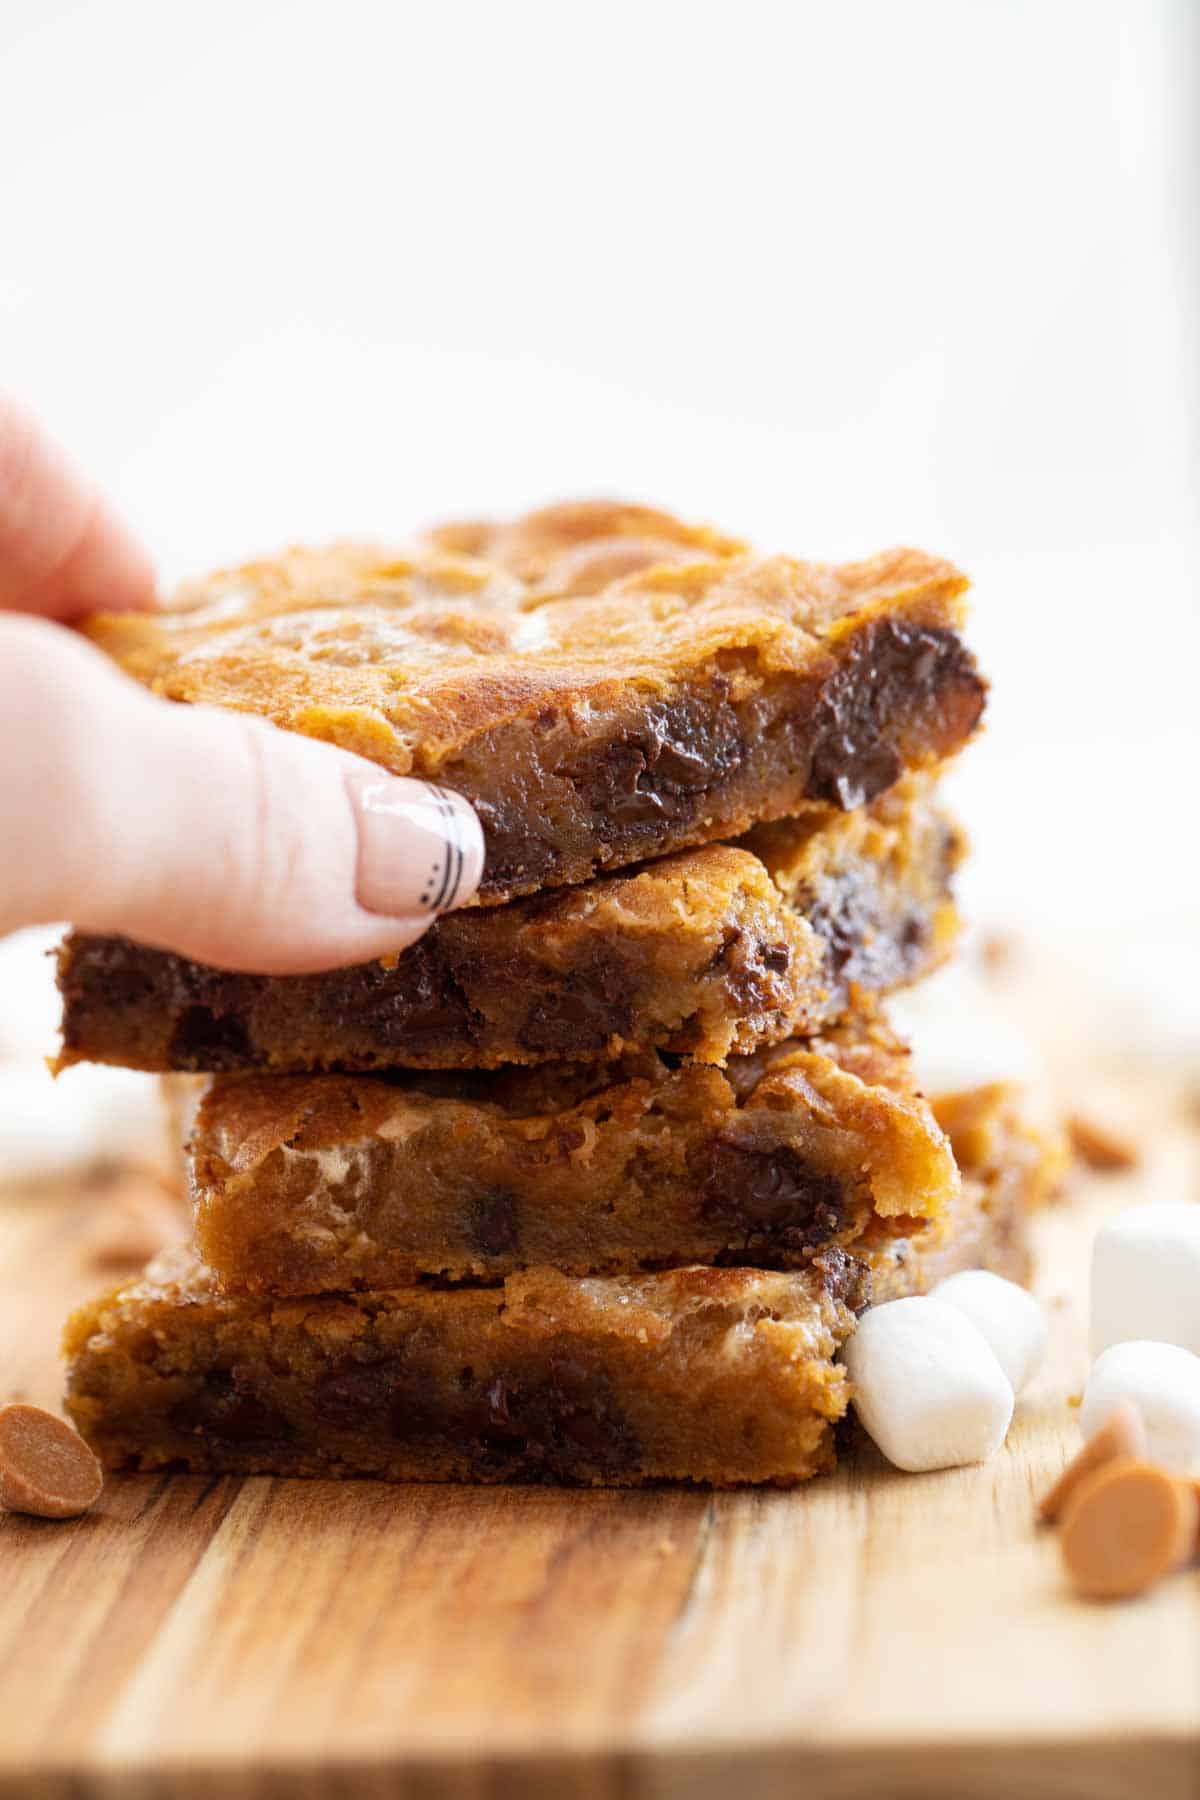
point(1121, 1435)
point(1100, 1147)
point(1127, 1524)
point(998, 952)
point(45, 1467)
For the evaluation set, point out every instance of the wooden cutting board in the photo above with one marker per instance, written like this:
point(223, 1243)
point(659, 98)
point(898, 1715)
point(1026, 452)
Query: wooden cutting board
point(871, 1634)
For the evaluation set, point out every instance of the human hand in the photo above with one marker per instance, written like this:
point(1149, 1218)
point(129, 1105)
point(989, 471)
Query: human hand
point(200, 831)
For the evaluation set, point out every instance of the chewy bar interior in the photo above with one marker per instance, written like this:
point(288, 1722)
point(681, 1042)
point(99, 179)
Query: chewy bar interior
point(307, 1183)
point(698, 1374)
point(714, 1375)
point(707, 953)
point(597, 704)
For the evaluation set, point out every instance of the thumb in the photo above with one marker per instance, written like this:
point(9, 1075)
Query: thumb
point(209, 833)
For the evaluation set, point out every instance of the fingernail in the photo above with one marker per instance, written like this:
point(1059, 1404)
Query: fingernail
point(420, 847)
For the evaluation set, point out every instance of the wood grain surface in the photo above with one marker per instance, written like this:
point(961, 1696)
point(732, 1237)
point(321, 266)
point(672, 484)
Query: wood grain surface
point(871, 1634)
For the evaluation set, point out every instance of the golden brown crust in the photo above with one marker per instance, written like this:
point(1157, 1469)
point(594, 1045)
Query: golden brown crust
point(413, 657)
point(582, 546)
point(675, 705)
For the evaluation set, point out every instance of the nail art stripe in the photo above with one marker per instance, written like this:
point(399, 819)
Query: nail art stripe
point(452, 867)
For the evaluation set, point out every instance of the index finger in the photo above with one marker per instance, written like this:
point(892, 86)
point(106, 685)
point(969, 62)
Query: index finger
point(63, 550)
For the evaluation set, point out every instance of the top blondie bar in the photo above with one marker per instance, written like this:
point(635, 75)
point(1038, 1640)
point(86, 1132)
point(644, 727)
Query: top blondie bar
point(603, 682)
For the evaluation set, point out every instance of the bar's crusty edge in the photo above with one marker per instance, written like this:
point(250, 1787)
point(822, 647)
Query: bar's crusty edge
point(591, 727)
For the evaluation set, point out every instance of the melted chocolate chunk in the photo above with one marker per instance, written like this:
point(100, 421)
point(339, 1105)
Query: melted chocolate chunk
point(561, 1428)
point(355, 1392)
point(206, 1039)
point(513, 854)
point(111, 971)
point(749, 968)
point(845, 1277)
point(396, 1394)
point(894, 673)
point(657, 773)
point(865, 941)
point(419, 1002)
point(555, 1428)
point(494, 1222)
point(233, 1414)
point(593, 1006)
point(771, 1202)
point(113, 976)
point(913, 934)
point(845, 912)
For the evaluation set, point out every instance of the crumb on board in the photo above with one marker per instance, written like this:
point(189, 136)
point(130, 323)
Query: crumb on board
point(998, 953)
point(1100, 1146)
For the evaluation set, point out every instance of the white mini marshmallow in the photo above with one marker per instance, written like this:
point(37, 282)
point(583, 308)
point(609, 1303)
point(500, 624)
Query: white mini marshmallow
point(1009, 1318)
point(927, 1386)
point(1146, 1276)
point(1163, 1382)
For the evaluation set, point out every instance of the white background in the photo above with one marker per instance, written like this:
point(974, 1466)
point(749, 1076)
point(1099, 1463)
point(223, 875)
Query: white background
point(832, 275)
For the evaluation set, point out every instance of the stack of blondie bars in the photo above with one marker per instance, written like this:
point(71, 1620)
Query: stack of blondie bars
point(590, 1183)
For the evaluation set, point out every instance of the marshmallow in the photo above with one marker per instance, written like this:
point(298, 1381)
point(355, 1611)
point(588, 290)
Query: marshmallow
point(1163, 1383)
point(1146, 1276)
point(927, 1386)
point(1010, 1319)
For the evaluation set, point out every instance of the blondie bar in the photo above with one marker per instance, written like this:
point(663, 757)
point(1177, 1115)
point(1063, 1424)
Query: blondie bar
point(715, 1375)
point(711, 1375)
point(307, 1183)
point(709, 953)
point(675, 705)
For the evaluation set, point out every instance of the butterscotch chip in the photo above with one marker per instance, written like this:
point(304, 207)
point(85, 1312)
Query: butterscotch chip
point(1100, 1147)
point(1122, 1435)
point(998, 953)
point(45, 1467)
point(1128, 1524)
